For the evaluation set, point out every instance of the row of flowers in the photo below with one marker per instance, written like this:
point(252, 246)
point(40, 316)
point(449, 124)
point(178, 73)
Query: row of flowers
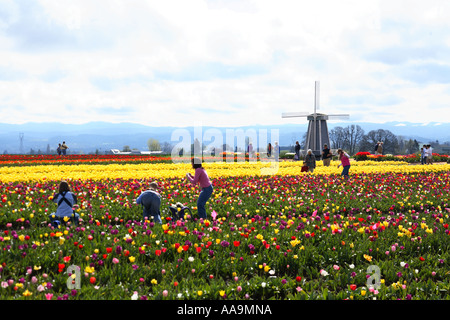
point(287, 236)
point(215, 170)
point(410, 158)
point(41, 159)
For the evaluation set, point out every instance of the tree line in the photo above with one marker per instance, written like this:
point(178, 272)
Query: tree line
point(354, 139)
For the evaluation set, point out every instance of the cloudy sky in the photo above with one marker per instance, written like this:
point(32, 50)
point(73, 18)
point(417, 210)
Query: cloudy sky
point(223, 62)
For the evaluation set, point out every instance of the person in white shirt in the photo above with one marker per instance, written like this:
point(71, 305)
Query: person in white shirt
point(430, 154)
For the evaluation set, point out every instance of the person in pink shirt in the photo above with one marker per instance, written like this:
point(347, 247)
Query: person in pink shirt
point(345, 162)
point(201, 178)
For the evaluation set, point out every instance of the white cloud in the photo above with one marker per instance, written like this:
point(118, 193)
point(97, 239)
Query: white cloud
point(224, 62)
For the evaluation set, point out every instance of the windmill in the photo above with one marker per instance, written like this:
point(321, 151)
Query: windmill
point(317, 134)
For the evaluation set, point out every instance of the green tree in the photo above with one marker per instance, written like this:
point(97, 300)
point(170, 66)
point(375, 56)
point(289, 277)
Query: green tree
point(153, 145)
point(126, 149)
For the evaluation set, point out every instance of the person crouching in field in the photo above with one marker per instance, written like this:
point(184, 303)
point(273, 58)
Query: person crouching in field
point(310, 161)
point(201, 177)
point(66, 201)
point(151, 201)
point(345, 162)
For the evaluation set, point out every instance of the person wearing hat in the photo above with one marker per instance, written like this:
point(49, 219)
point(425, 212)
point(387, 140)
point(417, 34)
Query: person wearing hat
point(310, 161)
point(151, 201)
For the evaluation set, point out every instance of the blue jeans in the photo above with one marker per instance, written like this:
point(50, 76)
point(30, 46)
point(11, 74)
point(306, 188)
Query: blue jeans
point(345, 171)
point(156, 217)
point(204, 196)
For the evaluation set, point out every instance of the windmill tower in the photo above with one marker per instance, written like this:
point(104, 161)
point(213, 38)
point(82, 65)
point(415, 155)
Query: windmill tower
point(21, 142)
point(317, 134)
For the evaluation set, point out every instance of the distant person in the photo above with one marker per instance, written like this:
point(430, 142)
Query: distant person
point(422, 155)
point(276, 150)
point(326, 155)
point(297, 151)
point(425, 154)
point(66, 201)
point(430, 154)
point(269, 150)
point(201, 177)
point(151, 201)
point(380, 148)
point(345, 162)
point(250, 149)
point(64, 148)
point(58, 150)
point(310, 161)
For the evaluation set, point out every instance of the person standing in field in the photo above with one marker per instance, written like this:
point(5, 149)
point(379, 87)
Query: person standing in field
point(269, 150)
point(310, 161)
point(326, 155)
point(345, 162)
point(297, 150)
point(201, 178)
point(151, 201)
point(380, 148)
point(422, 155)
point(425, 154)
point(276, 150)
point(64, 148)
point(66, 201)
point(58, 150)
point(430, 154)
point(250, 150)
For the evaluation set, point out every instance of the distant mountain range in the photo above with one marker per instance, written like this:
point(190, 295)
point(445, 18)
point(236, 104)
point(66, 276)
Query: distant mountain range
point(103, 136)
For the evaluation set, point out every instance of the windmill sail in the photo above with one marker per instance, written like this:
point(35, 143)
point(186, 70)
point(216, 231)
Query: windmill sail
point(294, 114)
point(338, 116)
point(316, 97)
point(317, 134)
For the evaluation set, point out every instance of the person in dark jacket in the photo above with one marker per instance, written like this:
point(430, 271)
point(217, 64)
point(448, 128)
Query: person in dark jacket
point(269, 150)
point(310, 161)
point(297, 151)
point(326, 155)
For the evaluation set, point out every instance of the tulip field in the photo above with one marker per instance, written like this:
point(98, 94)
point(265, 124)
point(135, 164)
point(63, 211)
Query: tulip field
point(283, 235)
